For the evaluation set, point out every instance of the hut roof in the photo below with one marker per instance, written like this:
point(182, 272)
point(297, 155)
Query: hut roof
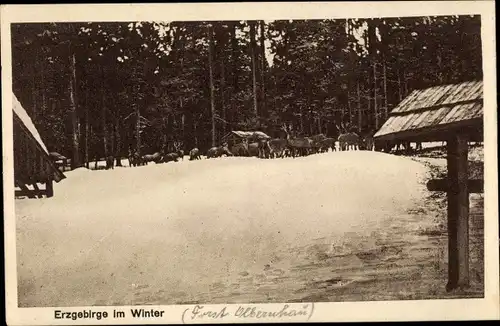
point(251, 134)
point(21, 113)
point(29, 129)
point(433, 111)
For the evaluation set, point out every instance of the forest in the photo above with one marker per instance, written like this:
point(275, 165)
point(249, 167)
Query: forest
point(95, 89)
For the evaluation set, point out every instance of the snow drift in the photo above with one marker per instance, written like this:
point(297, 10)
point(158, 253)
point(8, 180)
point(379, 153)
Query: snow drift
point(180, 228)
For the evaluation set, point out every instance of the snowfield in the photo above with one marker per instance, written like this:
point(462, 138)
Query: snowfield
point(324, 227)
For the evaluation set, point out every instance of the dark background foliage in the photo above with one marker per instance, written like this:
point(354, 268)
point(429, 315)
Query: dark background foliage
point(98, 89)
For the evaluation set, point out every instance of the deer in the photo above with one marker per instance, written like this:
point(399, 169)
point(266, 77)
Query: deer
point(178, 149)
point(264, 148)
point(278, 146)
point(170, 157)
point(367, 141)
point(218, 151)
point(317, 142)
point(299, 146)
point(326, 144)
point(241, 149)
point(194, 154)
point(347, 139)
point(156, 157)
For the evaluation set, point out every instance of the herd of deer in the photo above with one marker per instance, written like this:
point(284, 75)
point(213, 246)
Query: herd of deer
point(291, 146)
point(135, 159)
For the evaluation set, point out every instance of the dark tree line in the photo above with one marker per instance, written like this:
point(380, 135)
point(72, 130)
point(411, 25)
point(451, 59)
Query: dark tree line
point(98, 89)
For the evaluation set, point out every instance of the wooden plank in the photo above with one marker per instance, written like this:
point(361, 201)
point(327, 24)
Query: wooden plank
point(458, 213)
point(31, 193)
point(473, 186)
point(37, 190)
point(444, 96)
point(25, 191)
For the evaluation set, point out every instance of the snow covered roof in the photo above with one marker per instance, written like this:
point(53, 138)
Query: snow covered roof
point(32, 169)
point(251, 134)
point(436, 110)
point(25, 118)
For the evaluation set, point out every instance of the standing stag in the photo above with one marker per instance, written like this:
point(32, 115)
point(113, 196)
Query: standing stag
point(298, 146)
point(278, 147)
point(178, 150)
point(134, 158)
point(264, 148)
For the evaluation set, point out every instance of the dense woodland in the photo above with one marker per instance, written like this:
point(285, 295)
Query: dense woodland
point(98, 89)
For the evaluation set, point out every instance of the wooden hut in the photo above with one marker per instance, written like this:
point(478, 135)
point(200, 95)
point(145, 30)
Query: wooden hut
point(32, 163)
point(451, 113)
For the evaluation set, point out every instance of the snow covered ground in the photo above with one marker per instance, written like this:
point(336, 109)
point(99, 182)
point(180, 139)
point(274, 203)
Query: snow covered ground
point(333, 226)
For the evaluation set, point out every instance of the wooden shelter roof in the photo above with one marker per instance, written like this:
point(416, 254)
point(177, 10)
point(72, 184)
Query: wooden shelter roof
point(251, 135)
point(27, 127)
point(431, 113)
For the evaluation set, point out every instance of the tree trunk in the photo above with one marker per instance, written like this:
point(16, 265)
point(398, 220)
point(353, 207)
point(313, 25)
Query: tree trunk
point(138, 129)
point(223, 94)
point(263, 105)
point(86, 129)
point(253, 54)
point(34, 88)
point(234, 73)
point(360, 113)
point(103, 118)
point(400, 87)
point(349, 109)
point(118, 143)
point(43, 89)
point(405, 81)
point(375, 107)
point(301, 120)
point(368, 120)
point(183, 122)
point(372, 48)
point(112, 139)
point(91, 146)
point(75, 162)
point(210, 68)
point(386, 102)
point(183, 128)
point(383, 29)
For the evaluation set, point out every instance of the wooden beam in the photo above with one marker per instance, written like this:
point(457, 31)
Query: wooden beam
point(458, 213)
point(37, 190)
point(49, 188)
point(30, 193)
point(25, 191)
point(441, 132)
point(473, 186)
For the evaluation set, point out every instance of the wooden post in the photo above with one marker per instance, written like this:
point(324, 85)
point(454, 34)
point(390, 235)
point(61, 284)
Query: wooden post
point(458, 213)
point(49, 188)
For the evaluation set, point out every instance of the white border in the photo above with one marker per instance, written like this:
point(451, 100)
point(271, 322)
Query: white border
point(457, 309)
